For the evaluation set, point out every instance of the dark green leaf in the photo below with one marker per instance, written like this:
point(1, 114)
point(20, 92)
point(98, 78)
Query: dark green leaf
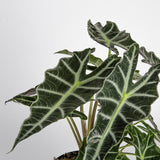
point(110, 36)
point(113, 152)
point(64, 89)
point(145, 147)
point(82, 150)
point(148, 128)
point(78, 114)
point(65, 51)
point(25, 98)
point(91, 68)
point(149, 57)
point(121, 157)
point(95, 60)
point(122, 103)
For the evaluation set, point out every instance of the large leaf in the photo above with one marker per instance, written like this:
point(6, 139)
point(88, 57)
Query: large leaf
point(64, 89)
point(149, 57)
point(27, 98)
point(122, 102)
point(109, 35)
point(145, 147)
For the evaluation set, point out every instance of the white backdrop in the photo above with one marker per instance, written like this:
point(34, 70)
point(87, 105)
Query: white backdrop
point(31, 31)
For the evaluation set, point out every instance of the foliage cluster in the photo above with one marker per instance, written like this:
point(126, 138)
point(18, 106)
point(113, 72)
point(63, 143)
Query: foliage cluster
point(115, 90)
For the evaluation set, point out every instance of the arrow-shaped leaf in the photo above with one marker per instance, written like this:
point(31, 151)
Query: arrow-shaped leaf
point(28, 101)
point(145, 147)
point(109, 35)
point(149, 57)
point(122, 102)
point(64, 89)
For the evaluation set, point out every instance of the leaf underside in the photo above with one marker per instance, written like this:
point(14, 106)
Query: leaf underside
point(64, 89)
point(122, 102)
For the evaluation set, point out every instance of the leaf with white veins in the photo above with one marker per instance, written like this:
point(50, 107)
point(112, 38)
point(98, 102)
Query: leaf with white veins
point(149, 57)
point(122, 102)
point(145, 146)
point(25, 98)
point(64, 89)
point(109, 35)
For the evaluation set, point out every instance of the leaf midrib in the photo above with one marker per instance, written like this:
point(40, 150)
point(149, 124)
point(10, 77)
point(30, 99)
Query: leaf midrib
point(71, 90)
point(118, 108)
point(103, 36)
point(98, 73)
point(116, 112)
point(108, 42)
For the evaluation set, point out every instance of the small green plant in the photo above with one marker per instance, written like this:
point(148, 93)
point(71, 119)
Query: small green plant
point(116, 91)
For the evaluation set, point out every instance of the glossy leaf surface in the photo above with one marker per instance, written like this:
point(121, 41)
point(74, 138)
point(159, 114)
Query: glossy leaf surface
point(64, 89)
point(122, 102)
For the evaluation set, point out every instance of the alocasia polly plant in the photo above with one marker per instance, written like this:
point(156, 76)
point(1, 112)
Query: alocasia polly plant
point(113, 87)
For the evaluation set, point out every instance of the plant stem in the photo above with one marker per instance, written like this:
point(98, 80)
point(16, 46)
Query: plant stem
point(123, 147)
point(90, 116)
point(132, 154)
point(109, 53)
point(76, 129)
point(93, 114)
point(83, 123)
point(74, 133)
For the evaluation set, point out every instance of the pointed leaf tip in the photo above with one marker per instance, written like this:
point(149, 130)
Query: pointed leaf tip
point(122, 103)
point(110, 36)
point(149, 57)
point(64, 89)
